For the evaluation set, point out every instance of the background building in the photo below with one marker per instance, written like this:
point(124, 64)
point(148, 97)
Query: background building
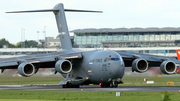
point(52, 43)
point(124, 37)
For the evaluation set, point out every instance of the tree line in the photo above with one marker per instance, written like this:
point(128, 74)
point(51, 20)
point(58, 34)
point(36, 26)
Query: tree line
point(26, 44)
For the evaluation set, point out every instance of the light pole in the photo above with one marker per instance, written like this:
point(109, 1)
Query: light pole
point(22, 38)
point(38, 39)
point(44, 36)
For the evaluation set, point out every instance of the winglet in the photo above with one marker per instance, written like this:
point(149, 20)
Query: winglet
point(178, 54)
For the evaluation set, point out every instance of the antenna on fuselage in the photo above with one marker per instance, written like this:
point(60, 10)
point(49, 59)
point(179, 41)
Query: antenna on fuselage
point(58, 10)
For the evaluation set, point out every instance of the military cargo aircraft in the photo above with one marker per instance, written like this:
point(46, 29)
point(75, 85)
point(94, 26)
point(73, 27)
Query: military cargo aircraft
point(103, 67)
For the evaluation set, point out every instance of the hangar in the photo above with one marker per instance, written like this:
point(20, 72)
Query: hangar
point(127, 37)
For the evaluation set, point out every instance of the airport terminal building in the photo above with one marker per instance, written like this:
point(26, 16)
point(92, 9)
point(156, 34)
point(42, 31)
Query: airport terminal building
point(127, 37)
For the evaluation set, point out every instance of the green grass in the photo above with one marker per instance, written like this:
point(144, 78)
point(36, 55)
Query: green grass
point(35, 79)
point(24, 95)
point(158, 81)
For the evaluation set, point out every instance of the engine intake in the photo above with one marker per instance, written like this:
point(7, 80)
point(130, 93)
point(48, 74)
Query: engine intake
point(63, 66)
point(139, 65)
point(168, 67)
point(26, 69)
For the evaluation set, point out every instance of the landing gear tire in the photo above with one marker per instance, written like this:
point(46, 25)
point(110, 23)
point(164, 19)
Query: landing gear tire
point(111, 85)
point(102, 86)
point(114, 84)
point(105, 85)
point(63, 86)
point(70, 86)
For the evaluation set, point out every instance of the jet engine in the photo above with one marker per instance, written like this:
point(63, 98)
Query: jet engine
point(139, 65)
point(63, 66)
point(26, 69)
point(168, 67)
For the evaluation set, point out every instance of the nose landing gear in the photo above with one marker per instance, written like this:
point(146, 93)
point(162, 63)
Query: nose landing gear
point(70, 86)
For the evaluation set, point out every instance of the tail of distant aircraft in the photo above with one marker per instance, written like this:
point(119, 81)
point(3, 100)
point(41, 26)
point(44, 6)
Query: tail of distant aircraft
point(58, 10)
point(178, 54)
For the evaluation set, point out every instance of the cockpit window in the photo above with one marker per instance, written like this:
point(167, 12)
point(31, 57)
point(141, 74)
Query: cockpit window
point(106, 59)
point(112, 59)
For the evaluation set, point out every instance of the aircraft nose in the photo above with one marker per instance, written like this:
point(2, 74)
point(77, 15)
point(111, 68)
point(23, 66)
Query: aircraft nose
point(117, 67)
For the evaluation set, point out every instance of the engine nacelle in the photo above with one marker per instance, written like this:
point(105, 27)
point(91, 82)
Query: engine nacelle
point(168, 67)
point(26, 69)
point(139, 65)
point(63, 66)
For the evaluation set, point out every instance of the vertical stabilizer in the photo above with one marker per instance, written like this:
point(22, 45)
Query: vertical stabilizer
point(59, 12)
point(178, 54)
point(62, 27)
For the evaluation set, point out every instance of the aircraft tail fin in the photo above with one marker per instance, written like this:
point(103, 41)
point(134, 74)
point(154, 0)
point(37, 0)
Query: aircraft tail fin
point(59, 10)
point(178, 54)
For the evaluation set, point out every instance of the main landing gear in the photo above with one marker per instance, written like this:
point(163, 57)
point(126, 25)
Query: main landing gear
point(69, 85)
point(113, 84)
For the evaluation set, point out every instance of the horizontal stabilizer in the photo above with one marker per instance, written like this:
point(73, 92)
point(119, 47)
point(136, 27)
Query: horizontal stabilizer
point(29, 11)
point(53, 10)
point(72, 10)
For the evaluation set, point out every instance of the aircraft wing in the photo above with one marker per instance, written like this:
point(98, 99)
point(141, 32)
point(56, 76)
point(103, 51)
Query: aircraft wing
point(38, 61)
point(153, 60)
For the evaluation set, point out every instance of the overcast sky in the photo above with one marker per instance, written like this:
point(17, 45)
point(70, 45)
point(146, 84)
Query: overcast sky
point(116, 14)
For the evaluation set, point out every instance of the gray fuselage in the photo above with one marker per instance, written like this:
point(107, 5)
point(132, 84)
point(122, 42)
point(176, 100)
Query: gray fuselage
point(98, 66)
